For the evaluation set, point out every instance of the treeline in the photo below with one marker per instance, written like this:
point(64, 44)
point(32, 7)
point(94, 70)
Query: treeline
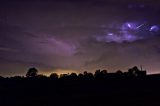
point(131, 88)
point(100, 74)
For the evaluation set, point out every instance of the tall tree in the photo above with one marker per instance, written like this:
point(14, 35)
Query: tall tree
point(32, 72)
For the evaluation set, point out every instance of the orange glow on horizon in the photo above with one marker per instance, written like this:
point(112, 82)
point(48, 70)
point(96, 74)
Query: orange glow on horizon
point(60, 71)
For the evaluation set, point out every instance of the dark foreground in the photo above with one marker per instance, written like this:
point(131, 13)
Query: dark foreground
point(117, 91)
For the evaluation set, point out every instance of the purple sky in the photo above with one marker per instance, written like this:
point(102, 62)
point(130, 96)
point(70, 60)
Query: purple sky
point(78, 35)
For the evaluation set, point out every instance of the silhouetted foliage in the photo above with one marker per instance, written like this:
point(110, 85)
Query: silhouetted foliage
point(54, 76)
point(136, 72)
point(119, 72)
point(100, 74)
point(73, 76)
point(104, 72)
point(32, 72)
point(87, 75)
point(40, 76)
point(97, 73)
point(85, 89)
point(80, 75)
point(64, 75)
point(1, 77)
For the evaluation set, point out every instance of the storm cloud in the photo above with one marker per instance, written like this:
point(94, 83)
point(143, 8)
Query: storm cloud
point(81, 35)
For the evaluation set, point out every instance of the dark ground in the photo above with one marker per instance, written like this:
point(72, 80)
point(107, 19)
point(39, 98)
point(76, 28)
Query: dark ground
point(119, 91)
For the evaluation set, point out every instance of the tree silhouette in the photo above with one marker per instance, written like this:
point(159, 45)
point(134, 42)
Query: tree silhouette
point(73, 75)
point(80, 75)
point(104, 72)
point(62, 76)
point(119, 72)
point(120, 88)
point(136, 72)
point(100, 74)
point(97, 73)
point(135, 68)
point(41, 76)
point(32, 72)
point(1, 77)
point(87, 75)
point(54, 76)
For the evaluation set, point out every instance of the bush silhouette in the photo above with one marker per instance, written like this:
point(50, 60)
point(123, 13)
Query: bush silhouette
point(54, 76)
point(32, 72)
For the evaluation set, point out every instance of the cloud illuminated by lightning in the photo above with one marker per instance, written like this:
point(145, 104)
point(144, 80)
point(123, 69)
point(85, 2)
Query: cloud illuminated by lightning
point(128, 32)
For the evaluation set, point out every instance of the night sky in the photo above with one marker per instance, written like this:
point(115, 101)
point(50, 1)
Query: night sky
point(79, 35)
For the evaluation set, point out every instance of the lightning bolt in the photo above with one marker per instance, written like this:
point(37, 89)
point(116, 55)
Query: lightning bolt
point(140, 26)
